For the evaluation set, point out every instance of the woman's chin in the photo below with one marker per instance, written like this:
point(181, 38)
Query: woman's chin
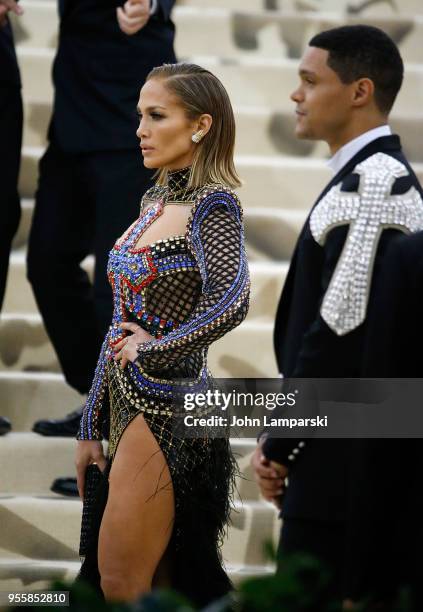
point(150, 163)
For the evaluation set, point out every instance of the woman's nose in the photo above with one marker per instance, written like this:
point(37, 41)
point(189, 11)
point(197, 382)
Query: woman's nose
point(141, 131)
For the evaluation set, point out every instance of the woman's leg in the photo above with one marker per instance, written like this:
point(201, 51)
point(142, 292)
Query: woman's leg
point(138, 518)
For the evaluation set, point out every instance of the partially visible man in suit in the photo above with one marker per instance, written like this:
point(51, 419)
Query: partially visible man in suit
point(91, 177)
point(349, 79)
point(11, 118)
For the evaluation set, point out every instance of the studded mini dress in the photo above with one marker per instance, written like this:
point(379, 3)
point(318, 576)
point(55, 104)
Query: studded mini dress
point(186, 291)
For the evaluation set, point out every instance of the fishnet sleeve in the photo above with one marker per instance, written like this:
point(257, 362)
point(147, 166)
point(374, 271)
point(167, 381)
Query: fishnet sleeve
point(93, 413)
point(216, 238)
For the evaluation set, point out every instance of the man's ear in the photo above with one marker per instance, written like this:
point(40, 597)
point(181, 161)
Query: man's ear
point(363, 92)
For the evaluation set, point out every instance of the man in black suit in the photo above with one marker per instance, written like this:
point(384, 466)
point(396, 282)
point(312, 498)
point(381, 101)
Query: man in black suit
point(91, 177)
point(349, 79)
point(11, 119)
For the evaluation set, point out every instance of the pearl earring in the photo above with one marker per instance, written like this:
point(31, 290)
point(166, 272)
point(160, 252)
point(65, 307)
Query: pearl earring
point(197, 137)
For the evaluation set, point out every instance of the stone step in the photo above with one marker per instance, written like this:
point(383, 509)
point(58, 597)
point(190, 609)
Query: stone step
point(347, 7)
point(388, 7)
point(27, 397)
point(269, 181)
point(250, 81)
point(273, 181)
point(260, 131)
point(42, 459)
point(246, 5)
point(21, 237)
point(282, 33)
point(37, 527)
point(24, 346)
point(280, 227)
point(267, 277)
point(271, 235)
point(22, 574)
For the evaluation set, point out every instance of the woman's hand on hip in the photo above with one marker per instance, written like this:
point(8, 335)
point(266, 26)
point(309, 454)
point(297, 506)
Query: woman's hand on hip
point(87, 452)
point(126, 349)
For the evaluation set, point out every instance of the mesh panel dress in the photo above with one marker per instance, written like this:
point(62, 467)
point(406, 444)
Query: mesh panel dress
point(186, 291)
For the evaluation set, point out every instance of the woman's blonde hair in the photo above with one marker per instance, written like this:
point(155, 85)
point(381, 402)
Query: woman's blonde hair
point(200, 92)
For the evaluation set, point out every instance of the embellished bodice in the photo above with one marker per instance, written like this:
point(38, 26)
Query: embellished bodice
point(157, 285)
point(186, 291)
point(142, 278)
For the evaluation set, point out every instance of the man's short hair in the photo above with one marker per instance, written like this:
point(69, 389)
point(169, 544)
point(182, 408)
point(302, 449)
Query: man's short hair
point(361, 51)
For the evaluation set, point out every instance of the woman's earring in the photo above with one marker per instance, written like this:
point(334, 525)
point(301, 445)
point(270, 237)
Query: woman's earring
point(197, 136)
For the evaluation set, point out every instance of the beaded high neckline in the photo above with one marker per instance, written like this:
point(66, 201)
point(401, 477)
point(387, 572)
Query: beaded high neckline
point(176, 190)
point(177, 181)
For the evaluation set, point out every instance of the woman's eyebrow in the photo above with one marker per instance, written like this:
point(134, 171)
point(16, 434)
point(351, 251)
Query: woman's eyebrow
point(149, 108)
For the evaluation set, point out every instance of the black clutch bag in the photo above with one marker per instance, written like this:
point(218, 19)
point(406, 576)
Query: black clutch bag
point(93, 477)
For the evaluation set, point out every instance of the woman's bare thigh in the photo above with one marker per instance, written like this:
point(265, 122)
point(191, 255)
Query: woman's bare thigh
point(138, 518)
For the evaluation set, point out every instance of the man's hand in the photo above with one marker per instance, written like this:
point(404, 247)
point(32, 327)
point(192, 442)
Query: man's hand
point(126, 349)
point(5, 7)
point(270, 477)
point(11, 5)
point(133, 16)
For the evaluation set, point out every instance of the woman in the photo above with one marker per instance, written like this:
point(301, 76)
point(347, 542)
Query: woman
point(180, 281)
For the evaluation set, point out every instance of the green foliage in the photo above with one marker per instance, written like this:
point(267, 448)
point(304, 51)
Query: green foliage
point(84, 599)
point(302, 585)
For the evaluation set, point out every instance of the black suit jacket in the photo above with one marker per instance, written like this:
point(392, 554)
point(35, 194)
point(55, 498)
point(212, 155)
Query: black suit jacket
point(386, 530)
point(98, 72)
point(306, 347)
point(9, 71)
point(396, 313)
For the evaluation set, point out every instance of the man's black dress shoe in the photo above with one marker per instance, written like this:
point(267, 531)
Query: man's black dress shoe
point(59, 427)
point(65, 486)
point(5, 425)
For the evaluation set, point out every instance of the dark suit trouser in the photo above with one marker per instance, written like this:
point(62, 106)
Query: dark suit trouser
point(84, 202)
point(11, 118)
point(325, 541)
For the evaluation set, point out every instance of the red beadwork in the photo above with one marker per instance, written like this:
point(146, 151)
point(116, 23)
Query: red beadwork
point(147, 280)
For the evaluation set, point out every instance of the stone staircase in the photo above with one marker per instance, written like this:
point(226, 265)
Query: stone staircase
point(253, 46)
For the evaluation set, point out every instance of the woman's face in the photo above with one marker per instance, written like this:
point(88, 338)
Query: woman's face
point(164, 131)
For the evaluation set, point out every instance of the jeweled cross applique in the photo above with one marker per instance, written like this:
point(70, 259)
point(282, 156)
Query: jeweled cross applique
point(368, 212)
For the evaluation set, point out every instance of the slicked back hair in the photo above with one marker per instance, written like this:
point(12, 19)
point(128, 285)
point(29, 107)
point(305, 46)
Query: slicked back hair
point(200, 92)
